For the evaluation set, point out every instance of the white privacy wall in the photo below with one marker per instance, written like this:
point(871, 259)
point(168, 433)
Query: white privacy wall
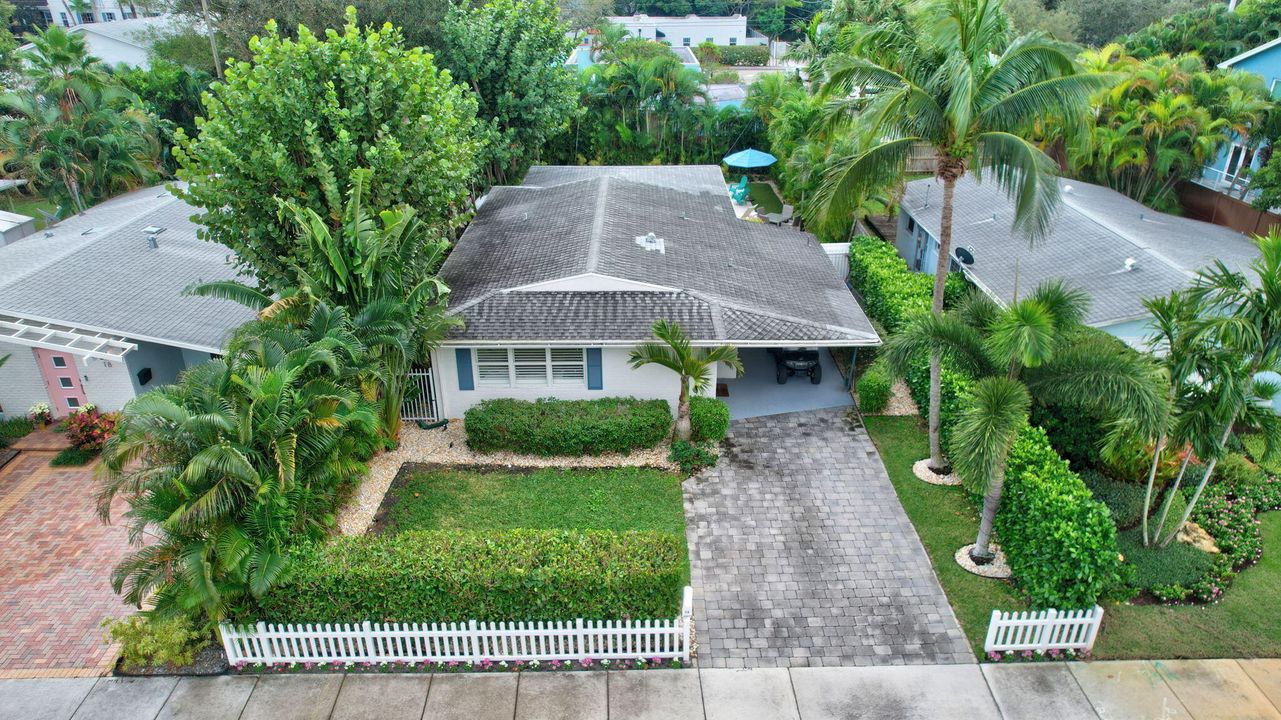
point(618, 380)
point(21, 384)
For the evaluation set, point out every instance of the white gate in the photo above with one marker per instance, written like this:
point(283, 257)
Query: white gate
point(420, 397)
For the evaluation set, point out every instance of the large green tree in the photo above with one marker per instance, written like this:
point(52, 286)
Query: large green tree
point(956, 80)
point(292, 124)
point(512, 54)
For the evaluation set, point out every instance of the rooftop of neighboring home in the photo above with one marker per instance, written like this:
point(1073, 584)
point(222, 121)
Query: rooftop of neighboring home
point(100, 273)
point(1115, 249)
point(596, 254)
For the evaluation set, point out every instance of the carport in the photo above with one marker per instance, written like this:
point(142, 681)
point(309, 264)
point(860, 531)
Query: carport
point(757, 392)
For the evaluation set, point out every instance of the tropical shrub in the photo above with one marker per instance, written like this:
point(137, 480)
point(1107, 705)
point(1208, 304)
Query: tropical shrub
point(725, 77)
point(743, 55)
point(148, 641)
point(692, 457)
point(1060, 541)
point(1158, 570)
point(73, 457)
point(13, 428)
point(89, 428)
point(356, 98)
point(1213, 32)
point(892, 294)
point(954, 385)
point(875, 388)
point(708, 419)
point(567, 427)
point(444, 576)
point(1076, 432)
point(693, 367)
point(40, 413)
point(1124, 499)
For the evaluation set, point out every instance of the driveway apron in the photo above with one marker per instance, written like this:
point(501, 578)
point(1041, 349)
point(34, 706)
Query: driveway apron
point(802, 556)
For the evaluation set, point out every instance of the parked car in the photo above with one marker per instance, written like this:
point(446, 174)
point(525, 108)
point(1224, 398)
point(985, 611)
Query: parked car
point(796, 361)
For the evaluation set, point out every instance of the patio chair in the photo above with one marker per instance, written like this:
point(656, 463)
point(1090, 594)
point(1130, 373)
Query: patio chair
point(738, 192)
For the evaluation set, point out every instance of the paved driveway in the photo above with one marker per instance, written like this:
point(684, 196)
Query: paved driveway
point(55, 566)
point(802, 556)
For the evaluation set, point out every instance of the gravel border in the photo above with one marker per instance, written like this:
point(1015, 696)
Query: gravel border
point(998, 569)
point(448, 446)
point(921, 469)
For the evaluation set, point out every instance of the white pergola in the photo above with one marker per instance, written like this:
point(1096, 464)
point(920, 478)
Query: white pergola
point(54, 336)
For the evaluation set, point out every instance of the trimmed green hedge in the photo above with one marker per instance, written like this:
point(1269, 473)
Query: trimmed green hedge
point(567, 427)
point(743, 55)
point(1060, 541)
point(708, 418)
point(954, 385)
point(445, 576)
point(891, 292)
point(874, 388)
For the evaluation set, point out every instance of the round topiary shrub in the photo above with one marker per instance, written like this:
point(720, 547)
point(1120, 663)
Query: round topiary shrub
point(708, 419)
point(874, 388)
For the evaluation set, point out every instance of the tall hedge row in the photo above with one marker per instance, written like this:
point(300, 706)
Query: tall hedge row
point(891, 292)
point(1059, 540)
point(448, 576)
point(567, 427)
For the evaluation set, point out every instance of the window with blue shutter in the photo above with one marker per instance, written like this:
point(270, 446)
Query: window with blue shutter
point(462, 358)
point(595, 378)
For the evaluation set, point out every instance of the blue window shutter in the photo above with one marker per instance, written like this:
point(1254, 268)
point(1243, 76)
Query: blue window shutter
point(595, 378)
point(462, 358)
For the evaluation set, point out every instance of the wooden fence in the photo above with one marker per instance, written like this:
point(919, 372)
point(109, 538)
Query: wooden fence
point(1044, 630)
point(472, 641)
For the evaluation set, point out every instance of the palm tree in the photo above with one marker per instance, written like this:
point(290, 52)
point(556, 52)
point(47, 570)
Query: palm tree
point(1037, 347)
point(955, 80)
point(696, 367)
point(59, 65)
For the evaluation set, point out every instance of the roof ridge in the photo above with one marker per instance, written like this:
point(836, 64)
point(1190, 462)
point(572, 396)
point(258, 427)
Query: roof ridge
point(721, 304)
point(1118, 231)
point(598, 225)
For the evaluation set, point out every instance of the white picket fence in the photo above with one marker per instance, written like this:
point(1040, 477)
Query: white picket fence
point(1044, 630)
point(420, 401)
point(272, 644)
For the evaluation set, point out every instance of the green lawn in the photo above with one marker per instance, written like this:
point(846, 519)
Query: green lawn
point(29, 206)
point(609, 499)
point(764, 197)
point(946, 520)
point(1243, 624)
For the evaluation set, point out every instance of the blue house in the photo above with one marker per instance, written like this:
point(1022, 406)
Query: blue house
point(1239, 158)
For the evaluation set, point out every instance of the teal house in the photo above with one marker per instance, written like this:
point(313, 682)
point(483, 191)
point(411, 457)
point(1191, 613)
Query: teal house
point(1229, 173)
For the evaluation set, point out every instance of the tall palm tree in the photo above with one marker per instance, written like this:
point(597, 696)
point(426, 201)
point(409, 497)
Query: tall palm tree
point(696, 367)
point(59, 65)
point(954, 79)
point(1038, 348)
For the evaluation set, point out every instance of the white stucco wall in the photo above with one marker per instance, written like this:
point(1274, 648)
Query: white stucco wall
point(720, 30)
point(113, 52)
point(21, 384)
point(107, 383)
point(618, 380)
point(164, 361)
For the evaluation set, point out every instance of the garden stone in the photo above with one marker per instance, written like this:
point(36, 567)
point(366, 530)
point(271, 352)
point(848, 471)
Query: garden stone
point(1128, 690)
point(1036, 691)
point(44, 699)
point(940, 692)
point(292, 697)
point(125, 698)
point(655, 695)
point(1196, 536)
point(382, 697)
point(214, 698)
point(562, 695)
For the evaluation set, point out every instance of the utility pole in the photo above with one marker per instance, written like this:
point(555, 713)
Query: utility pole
point(213, 41)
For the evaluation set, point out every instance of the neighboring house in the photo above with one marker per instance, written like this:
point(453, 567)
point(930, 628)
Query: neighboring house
point(122, 41)
point(726, 95)
point(92, 310)
point(691, 30)
point(558, 279)
point(1102, 242)
point(60, 12)
point(1229, 173)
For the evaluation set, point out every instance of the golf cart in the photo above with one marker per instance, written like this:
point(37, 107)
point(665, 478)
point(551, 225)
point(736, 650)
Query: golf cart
point(796, 361)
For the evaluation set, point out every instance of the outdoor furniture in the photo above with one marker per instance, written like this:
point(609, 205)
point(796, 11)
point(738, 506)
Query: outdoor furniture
point(738, 192)
point(779, 218)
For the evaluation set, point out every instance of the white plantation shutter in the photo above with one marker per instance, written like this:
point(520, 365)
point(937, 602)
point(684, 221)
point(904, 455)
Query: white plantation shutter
point(531, 367)
point(492, 367)
point(569, 366)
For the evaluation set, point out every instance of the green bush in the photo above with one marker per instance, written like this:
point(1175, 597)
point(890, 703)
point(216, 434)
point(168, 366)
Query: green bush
point(1256, 449)
point(1154, 567)
point(724, 77)
point(73, 457)
point(743, 55)
point(14, 428)
point(567, 427)
point(874, 388)
point(1124, 499)
point(1235, 470)
point(692, 457)
point(444, 576)
point(708, 419)
point(954, 385)
point(148, 641)
point(892, 294)
point(1074, 431)
point(1060, 541)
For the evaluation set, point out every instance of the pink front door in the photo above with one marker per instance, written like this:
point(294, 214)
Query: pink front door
point(62, 378)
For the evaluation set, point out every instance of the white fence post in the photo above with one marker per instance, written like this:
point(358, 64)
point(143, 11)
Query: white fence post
point(686, 623)
point(1043, 631)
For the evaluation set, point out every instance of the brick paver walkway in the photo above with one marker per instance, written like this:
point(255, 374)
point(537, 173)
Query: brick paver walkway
point(801, 554)
point(55, 569)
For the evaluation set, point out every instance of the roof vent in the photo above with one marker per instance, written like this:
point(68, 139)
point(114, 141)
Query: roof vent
point(652, 242)
point(151, 242)
point(153, 230)
point(1067, 189)
point(1130, 264)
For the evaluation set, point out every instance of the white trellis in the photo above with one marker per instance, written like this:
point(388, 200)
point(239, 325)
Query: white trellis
point(1044, 630)
point(272, 644)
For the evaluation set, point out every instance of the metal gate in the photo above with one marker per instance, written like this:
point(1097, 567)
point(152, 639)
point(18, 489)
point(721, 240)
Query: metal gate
point(420, 396)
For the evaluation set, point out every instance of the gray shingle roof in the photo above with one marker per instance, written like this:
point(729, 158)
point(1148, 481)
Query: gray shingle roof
point(96, 270)
point(754, 282)
point(697, 178)
point(1095, 231)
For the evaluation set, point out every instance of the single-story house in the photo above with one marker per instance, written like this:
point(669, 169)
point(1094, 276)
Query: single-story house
point(558, 279)
point(115, 40)
point(92, 311)
point(1102, 242)
point(691, 30)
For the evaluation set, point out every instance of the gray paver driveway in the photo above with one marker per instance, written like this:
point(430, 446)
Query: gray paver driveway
point(802, 556)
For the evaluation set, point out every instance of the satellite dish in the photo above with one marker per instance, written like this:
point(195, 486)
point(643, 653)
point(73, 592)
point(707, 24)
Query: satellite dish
point(965, 255)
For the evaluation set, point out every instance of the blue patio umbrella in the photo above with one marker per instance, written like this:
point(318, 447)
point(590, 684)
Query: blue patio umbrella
point(750, 158)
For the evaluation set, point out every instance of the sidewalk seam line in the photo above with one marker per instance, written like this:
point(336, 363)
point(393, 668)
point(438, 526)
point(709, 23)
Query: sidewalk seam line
point(166, 702)
point(86, 697)
point(702, 700)
point(796, 700)
point(516, 699)
point(248, 695)
point(1255, 683)
point(1084, 694)
point(987, 681)
point(334, 704)
point(431, 678)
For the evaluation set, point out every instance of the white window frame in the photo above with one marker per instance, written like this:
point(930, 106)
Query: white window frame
point(1272, 86)
point(685, 42)
point(56, 359)
point(108, 16)
point(66, 383)
point(521, 367)
point(73, 403)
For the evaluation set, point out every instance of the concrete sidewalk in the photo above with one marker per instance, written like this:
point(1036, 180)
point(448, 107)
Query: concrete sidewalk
point(1131, 690)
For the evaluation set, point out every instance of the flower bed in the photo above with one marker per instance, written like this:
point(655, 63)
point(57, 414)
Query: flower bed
point(454, 666)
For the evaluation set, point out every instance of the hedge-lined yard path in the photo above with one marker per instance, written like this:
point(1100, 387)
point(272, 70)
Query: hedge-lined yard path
point(801, 555)
point(55, 576)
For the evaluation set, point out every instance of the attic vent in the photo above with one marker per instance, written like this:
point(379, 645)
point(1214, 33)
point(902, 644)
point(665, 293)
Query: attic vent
point(152, 230)
point(1129, 266)
point(89, 231)
point(652, 242)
